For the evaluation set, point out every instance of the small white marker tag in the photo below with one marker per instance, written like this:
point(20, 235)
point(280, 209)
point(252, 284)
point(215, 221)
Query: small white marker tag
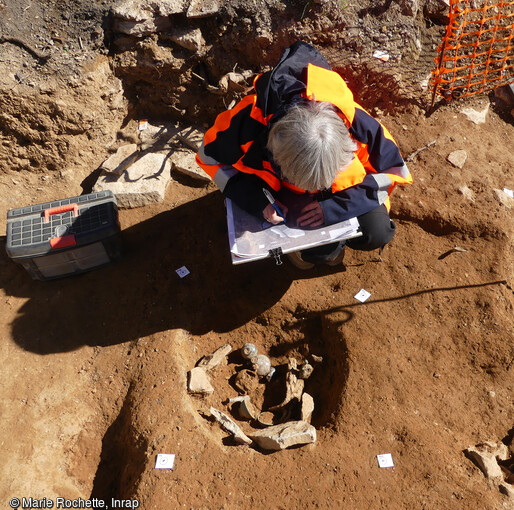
point(362, 295)
point(509, 192)
point(182, 271)
point(165, 461)
point(381, 55)
point(142, 125)
point(385, 460)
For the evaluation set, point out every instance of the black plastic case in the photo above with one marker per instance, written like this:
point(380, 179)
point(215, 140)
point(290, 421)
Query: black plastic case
point(65, 237)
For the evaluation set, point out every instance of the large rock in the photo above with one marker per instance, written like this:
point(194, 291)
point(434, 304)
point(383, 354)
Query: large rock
point(121, 159)
point(503, 198)
point(140, 18)
point(307, 407)
point(158, 136)
point(143, 182)
point(140, 10)
point(279, 437)
point(202, 8)
point(458, 158)
point(475, 116)
point(184, 162)
point(188, 38)
point(167, 135)
point(506, 94)
point(487, 455)
point(409, 7)
point(142, 28)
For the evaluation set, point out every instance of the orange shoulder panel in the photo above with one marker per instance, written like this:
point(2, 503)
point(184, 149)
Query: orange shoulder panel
point(353, 174)
point(328, 86)
point(223, 119)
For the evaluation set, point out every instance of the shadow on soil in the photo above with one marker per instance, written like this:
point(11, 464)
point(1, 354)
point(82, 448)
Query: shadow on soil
point(122, 459)
point(344, 308)
point(142, 294)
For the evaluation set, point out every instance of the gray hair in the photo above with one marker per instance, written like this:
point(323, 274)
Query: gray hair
point(311, 144)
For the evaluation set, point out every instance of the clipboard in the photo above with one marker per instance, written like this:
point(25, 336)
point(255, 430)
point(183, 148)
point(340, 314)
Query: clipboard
point(251, 238)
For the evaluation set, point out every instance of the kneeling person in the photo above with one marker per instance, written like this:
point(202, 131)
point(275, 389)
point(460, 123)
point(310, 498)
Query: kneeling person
point(302, 130)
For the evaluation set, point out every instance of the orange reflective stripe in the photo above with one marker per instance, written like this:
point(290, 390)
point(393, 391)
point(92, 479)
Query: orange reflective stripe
point(255, 80)
point(246, 146)
point(363, 155)
point(256, 114)
point(350, 176)
point(269, 177)
point(223, 120)
point(328, 86)
point(267, 166)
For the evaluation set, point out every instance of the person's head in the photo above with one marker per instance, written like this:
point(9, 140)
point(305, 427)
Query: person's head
point(311, 145)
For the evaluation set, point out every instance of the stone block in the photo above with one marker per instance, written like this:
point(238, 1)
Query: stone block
point(140, 10)
point(143, 182)
point(199, 382)
point(142, 28)
point(141, 18)
point(458, 158)
point(202, 8)
point(486, 455)
point(191, 39)
point(184, 162)
point(158, 136)
point(307, 407)
point(409, 7)
point(506, 94)
point(475, 116)
point(191, 137)
point(121, 159)
point(279, 437)
point(503, 198)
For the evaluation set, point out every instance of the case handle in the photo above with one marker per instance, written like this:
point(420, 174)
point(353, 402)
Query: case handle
point(62, 242)
point(61, 209)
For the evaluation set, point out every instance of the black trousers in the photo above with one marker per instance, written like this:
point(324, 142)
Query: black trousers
point(377, 230)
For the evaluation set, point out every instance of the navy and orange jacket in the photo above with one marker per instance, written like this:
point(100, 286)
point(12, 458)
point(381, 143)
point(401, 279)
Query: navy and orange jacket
point(234, 150)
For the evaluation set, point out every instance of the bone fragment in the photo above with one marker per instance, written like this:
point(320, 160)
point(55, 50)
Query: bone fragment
point(230, 426)
point(214, 359)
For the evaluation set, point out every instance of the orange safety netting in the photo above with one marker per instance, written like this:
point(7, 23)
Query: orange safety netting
point(477, 51)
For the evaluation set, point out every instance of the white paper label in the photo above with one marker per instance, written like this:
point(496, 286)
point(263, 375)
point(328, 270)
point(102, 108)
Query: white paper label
point(165, 461)
point(182, 271)
point(385, 460)
point(362, 295)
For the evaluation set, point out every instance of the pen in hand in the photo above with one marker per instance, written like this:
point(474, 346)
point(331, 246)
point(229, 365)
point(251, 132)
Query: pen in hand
point(271, 200)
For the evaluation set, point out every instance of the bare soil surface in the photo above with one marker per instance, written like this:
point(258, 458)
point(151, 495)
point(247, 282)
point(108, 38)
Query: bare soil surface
point(94, 367)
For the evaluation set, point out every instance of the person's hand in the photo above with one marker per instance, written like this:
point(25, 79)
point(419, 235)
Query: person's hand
point(311, 215)
point(271, 216)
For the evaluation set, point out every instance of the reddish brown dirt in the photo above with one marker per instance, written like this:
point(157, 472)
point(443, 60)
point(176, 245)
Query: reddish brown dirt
point(94, 367)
